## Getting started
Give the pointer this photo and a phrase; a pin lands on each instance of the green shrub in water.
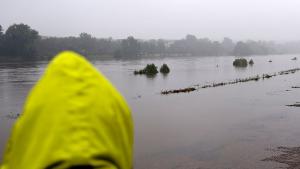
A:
(241, 62)
(150, 70)
(251, 62)
(164, 69)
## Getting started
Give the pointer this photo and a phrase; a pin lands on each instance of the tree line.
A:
(20, 41)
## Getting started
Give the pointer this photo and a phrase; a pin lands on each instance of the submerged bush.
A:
(251, 62)
(241, 62)
(150, 70)
(164, 69)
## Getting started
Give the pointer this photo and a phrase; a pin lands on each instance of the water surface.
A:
(216, 128)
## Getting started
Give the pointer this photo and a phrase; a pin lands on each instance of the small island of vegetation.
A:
(241, 62)
(149, 70)
(164, 69)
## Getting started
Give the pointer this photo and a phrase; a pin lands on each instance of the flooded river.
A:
(229, 127)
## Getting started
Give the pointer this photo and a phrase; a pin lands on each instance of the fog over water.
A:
(169, 19)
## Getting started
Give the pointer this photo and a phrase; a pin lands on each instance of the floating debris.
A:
(185, 90)
(241, 80)
(12, 115)
(137, 97)
(295, 58)
(270, 61)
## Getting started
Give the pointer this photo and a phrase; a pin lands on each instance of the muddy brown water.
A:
(217, 128)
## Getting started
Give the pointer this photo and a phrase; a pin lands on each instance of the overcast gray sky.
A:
(169, 19)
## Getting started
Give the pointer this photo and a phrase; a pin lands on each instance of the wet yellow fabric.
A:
(73, 116)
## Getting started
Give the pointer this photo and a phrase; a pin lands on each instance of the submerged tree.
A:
(241, 62)
(149, 70)
(164, 69)
(251, 62)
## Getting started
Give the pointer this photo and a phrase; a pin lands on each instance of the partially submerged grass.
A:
(185, 90)
(297, 104)
(267, 76)
(285, 72)
(240, 80)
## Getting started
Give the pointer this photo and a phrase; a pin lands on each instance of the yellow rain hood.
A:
(73, 116)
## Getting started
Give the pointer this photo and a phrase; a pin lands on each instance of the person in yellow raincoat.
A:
(72, 118)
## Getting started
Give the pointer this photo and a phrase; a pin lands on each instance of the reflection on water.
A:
(226, 127)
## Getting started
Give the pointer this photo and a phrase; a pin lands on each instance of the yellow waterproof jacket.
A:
(73, 116)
